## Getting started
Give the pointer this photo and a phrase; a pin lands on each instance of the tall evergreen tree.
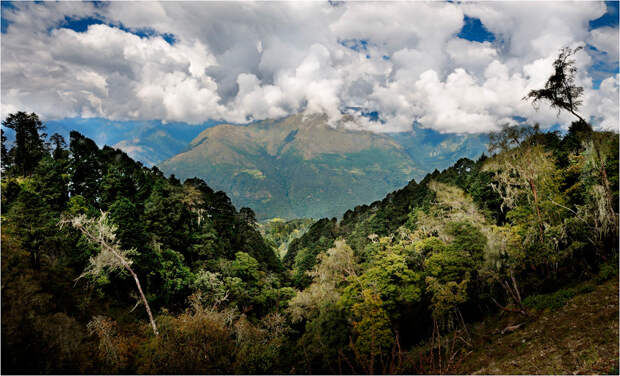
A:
(86, 167)
(5, 153)
(59, 146)
(29, 143)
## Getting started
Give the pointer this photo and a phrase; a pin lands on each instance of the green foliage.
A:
(429, 246)
(606, 272)
(450, 268)
(446, 296)
(29, 142)
(176, 277)
(34, 224)
(389, 276)
(324, 339)
(281, 233)
(440, 249)
(552, 301)
(467, 238)
(245, 267)
(373, 333)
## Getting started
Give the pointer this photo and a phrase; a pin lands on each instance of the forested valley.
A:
(111, 267)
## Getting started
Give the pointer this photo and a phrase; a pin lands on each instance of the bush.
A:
(585, 288)
(195, 342)
(607, 272)
(553, 301)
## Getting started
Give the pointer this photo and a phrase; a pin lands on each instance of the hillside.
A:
(302, 167)
(295, 167)
(436, 151)
(385, 217)
(579, 338)
(368, 293)
(149, 142)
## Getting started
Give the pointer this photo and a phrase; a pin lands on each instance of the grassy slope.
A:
(580, 338)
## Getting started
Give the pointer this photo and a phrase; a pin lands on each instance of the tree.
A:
(111, 257)
(521, 164)
(33, 224)
(86, 167)
(560, 90)
(562, 93)
(59, 145)
(5, 154)
(598, 150)
(334, 269)
(388, 274)
(374, 337)
(29, 145)
(50, 181)
(510, 137)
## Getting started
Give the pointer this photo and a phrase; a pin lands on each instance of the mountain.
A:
(436, 151)
(149, 142)
(300, 166)
(258, 164)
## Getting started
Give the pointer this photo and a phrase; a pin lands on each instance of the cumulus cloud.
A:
(240, 62)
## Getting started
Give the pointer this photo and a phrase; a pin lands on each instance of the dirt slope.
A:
(579, 338)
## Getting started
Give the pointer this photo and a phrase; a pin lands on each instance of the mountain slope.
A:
(580, 338)
(437, 151)
(295, 167)
(149, 142)
(300, 166)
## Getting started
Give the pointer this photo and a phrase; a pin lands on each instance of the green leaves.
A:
(245, 267)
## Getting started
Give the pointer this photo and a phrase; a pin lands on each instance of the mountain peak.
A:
(301, 166)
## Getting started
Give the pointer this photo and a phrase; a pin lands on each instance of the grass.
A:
(556, 300)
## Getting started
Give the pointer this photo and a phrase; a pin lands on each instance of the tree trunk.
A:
(128, 267)
(608, 195)
(579, 117)
(135, 277)
(146, 304)
(535, 193)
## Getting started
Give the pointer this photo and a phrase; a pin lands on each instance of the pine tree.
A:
(29, 143)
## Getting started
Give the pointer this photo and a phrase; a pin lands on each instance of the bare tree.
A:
(101, 231)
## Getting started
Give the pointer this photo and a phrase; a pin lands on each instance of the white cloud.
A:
(248, 61)
(605, 39)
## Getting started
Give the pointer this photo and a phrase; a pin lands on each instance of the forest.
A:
(111, 267)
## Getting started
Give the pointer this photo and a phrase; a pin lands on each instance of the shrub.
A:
(607, 272)
(553, 301)
(198, 341)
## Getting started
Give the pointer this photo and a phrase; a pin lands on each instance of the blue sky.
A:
(444, 66)
(610, 18)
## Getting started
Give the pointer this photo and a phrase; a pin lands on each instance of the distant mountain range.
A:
(293, 167)
(300, 166)
(149, 142)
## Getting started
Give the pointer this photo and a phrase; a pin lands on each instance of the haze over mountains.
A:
(300, 166)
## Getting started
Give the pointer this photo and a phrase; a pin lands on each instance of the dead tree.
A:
(111, 257)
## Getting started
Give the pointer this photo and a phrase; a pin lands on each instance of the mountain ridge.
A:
(301, 166)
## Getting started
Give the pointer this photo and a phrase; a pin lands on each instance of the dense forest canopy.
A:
(110, 267)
